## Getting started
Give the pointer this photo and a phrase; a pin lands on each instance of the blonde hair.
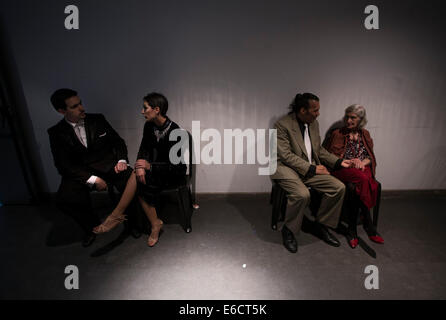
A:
(359, 111)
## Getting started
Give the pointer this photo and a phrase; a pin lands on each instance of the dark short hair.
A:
(59, 96)
(302, 101)
(157, 100)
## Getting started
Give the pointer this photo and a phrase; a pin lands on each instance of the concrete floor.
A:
(232, 253)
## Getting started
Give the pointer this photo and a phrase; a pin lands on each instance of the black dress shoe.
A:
(88, 239)
(323, 233)
(289, 241)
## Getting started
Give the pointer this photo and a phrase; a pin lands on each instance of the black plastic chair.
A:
(278, 200)
(184, 193)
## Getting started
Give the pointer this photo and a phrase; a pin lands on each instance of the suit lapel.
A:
(90, 130)
(314, 132)
(298, 134)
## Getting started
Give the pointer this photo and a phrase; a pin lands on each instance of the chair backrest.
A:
(189, 150)
(190, 166)
(191, 172)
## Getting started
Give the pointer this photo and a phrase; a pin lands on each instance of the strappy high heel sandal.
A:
(110, 223)
(154, 240)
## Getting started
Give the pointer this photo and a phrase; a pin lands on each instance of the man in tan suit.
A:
(301, 164)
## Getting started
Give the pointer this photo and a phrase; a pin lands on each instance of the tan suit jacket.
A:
(292, 158)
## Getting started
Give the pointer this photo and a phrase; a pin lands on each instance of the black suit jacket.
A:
(74, 161)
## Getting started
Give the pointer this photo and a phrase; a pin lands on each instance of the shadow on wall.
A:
(14, 110)
(337, 125)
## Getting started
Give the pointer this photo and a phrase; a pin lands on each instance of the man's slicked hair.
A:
(302, 101)
(59, 96)
(157, 100)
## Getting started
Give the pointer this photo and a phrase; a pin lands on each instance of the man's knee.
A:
(339, 187)
(299, 195)
(71, 193)
(71, 201)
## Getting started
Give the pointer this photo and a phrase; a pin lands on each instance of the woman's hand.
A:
(141, 175)
(356, 163)
(366, 162)
(142, 164)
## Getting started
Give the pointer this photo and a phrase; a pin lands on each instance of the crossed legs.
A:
(117, 216)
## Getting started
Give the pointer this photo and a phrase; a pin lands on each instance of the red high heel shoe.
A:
(352, 239)
(377, 238)
(353, 243)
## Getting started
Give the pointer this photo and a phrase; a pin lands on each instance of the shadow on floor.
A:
(64, 230)
(258, 214)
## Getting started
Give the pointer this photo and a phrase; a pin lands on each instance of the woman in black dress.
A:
(154, 170)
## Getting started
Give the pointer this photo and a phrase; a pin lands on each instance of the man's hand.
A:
(100, 184)
(141, 175)
(346, 163)
(320, 169)
(120, 166)
(142, 164)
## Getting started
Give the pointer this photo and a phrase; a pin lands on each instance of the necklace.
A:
(160, 133)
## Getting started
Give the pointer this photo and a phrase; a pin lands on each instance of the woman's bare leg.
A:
(156, 223)
(117, 216)
(127, 196)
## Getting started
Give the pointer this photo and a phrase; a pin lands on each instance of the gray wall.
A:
(238, 64)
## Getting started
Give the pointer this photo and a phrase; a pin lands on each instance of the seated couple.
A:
(90, 155)
(302, 162)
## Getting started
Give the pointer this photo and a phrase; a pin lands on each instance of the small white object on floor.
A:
(244, 265)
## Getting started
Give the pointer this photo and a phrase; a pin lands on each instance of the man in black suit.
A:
(89, 155)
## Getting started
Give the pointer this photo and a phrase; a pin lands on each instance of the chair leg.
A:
(271, 197)
(185, 208)
(279, 202)
(276, 208)
(181, 207)
(188, 209)
(283, 200)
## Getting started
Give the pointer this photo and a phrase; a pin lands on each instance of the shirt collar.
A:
(73, 124)
(301, 124)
